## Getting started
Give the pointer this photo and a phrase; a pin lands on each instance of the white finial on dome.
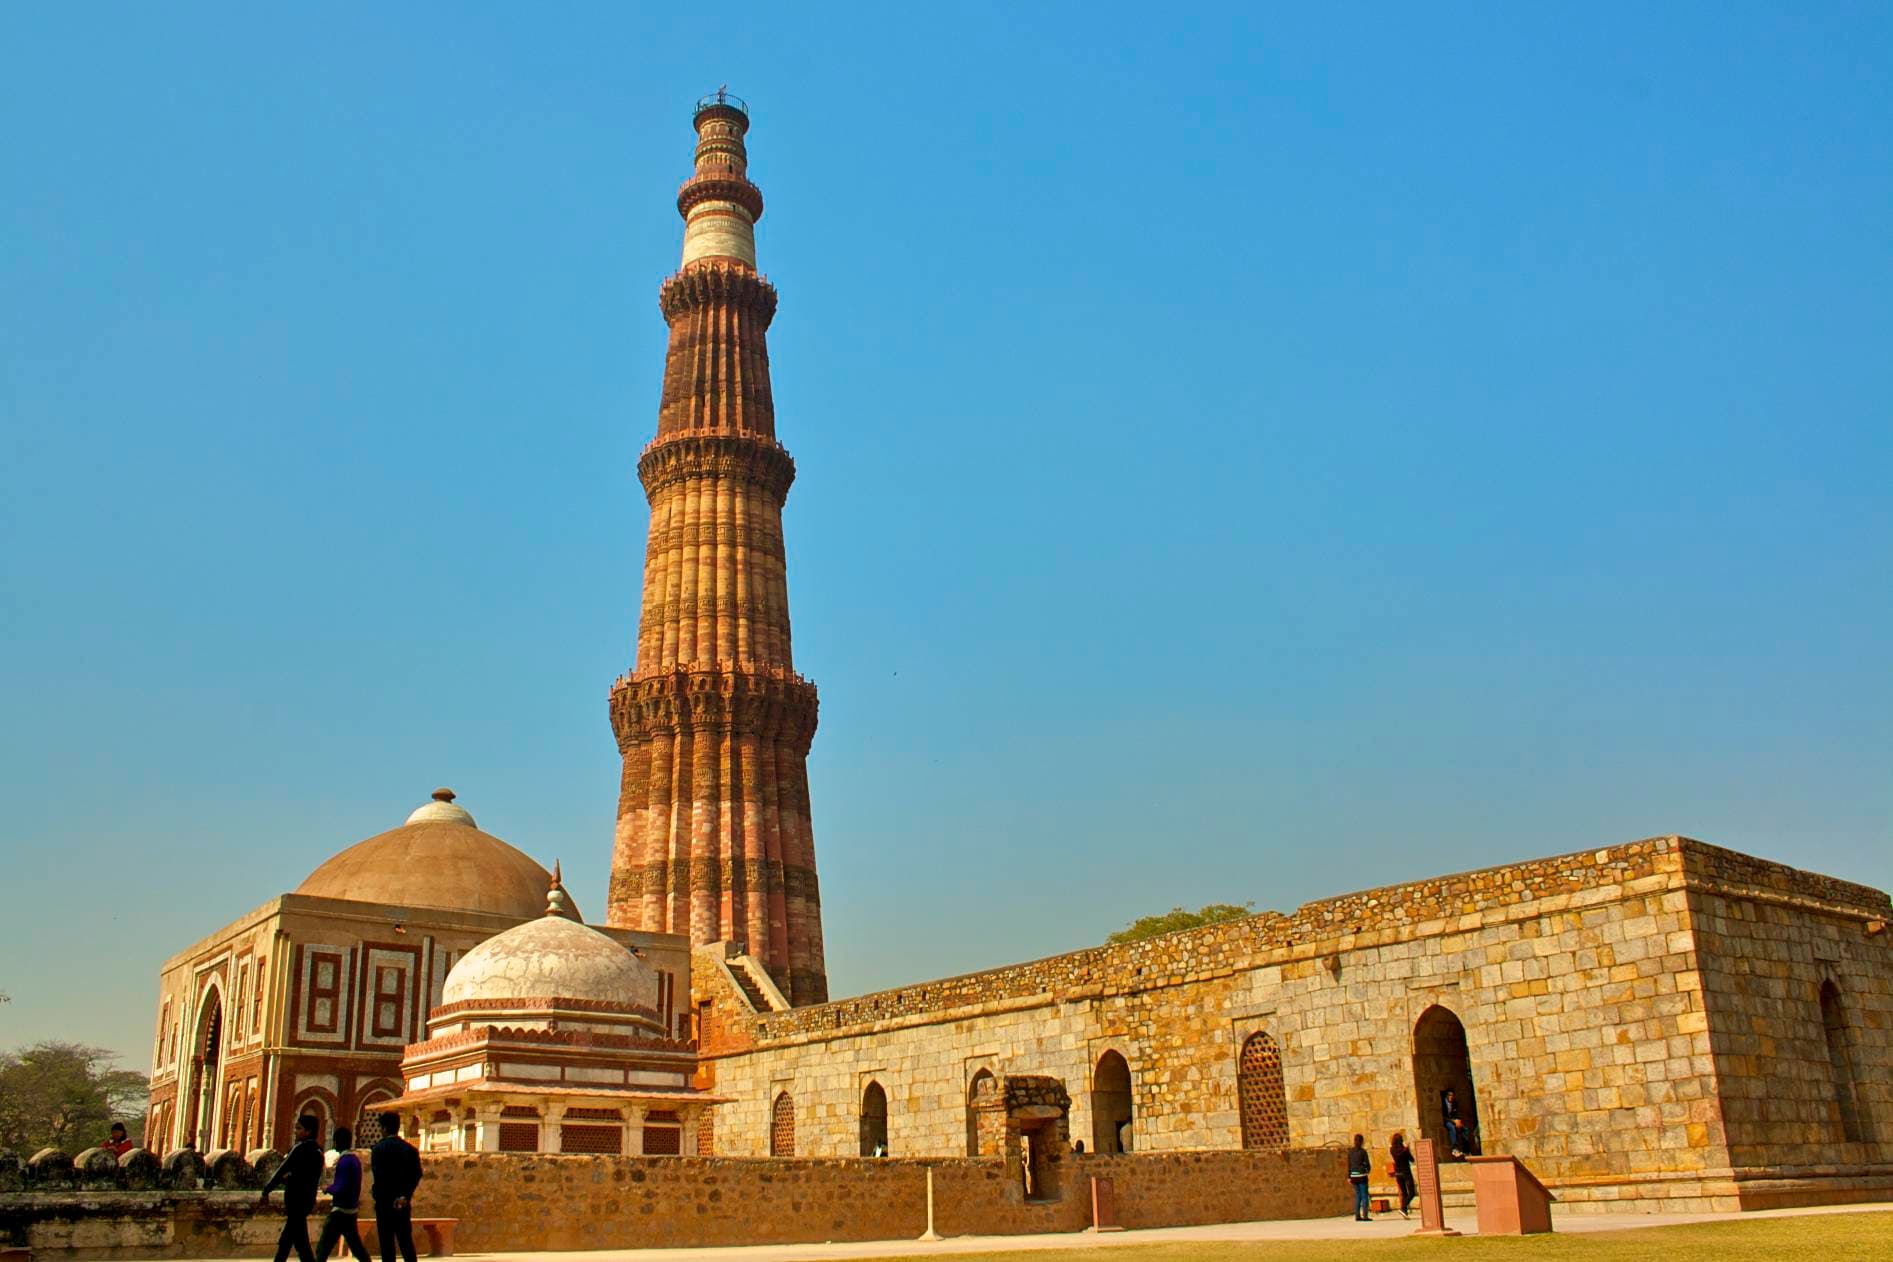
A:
(555, 896)
(442, 811)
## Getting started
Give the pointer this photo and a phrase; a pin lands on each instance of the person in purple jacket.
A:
(345, 1202)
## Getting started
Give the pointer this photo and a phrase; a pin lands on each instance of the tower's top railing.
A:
(722, 98)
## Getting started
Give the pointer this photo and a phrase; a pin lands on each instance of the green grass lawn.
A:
(1828, 1237)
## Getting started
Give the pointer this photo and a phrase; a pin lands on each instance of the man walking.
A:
(396, 1168)
(1359, 1166)
(345, 1202)
(298, 1175)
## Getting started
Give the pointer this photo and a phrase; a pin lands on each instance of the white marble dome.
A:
(553, 957)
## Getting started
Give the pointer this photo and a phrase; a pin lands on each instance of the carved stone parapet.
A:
(690, 454)
(776, 704)
(718, 187)
(718, 282)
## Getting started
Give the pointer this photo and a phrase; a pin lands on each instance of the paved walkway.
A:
(1384, 1227)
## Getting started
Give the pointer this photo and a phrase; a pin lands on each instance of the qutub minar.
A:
(714, 838)
(1657, 1024)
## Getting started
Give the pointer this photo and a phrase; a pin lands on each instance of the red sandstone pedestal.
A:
(1512, 1202)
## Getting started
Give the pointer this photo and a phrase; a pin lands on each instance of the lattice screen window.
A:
(706, 1135)
(368, 1120)
(782, 1127)
(1261, 1094)
(663, 1141)
(519, 1135)
(591, 1138)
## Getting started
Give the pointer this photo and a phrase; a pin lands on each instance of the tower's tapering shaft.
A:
(713, 835)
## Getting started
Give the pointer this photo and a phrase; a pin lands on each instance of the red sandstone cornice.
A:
(550, 1005)
(547, 1038)
(769, 701)
(711, 670)
(721, 281)
(754, 458)
(716, 187)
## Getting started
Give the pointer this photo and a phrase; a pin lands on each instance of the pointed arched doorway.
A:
(874, 1121)
(1111, 1104)
(1442, 1064)
(206, 1073)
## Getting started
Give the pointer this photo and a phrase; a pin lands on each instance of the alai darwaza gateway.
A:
(306, 1003)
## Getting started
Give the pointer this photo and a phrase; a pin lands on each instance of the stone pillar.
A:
(690, 1118)
(549, 1140)
(487, 1122)
(634, 1132)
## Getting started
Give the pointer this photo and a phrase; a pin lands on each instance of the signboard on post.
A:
(1103, 1205)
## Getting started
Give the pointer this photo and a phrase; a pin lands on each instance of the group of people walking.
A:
(396, 1168)
(1360, 1167)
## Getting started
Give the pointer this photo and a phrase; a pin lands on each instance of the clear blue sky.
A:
(1252, 453)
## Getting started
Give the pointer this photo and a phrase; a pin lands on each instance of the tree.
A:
(1177, 918)
(66, 1096)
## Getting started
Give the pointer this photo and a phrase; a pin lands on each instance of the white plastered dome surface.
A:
(551, 958)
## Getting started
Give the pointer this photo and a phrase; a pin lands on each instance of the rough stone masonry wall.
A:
(1576, 979)
(1768, 937)
(517, 1203)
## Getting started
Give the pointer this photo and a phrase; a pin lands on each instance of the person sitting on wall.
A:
(1455, 1127)
(119, 1144)
(396, 1168)
(1359, 1166)
(298, 1175)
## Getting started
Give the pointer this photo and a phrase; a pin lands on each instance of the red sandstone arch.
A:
(205, 1069)
(1111, 1103)
(371, 1102)
(1261, 1093)
(318, 1104)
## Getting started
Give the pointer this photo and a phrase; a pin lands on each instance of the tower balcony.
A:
(721, 99)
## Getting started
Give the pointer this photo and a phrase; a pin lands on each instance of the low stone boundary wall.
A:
(518, 1202)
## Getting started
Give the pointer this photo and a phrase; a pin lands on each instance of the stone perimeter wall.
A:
(1578, 979)
(518, 1203)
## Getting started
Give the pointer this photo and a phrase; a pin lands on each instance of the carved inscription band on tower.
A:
(713, 835)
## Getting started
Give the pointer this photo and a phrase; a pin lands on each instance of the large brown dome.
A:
(439, 858)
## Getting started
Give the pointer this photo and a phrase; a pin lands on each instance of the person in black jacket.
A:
(298, 1176)
(396, 1168)
(1401, 1167)
(1359, 1166)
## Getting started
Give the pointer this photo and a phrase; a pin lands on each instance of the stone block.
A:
(50, 1168)
(98, 1169)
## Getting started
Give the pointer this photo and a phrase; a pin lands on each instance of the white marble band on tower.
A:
(719, 230)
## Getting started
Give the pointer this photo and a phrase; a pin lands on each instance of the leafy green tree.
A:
(66, 1096)
(1177, 918)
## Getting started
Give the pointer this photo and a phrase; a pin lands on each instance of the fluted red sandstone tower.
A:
(713, 835)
